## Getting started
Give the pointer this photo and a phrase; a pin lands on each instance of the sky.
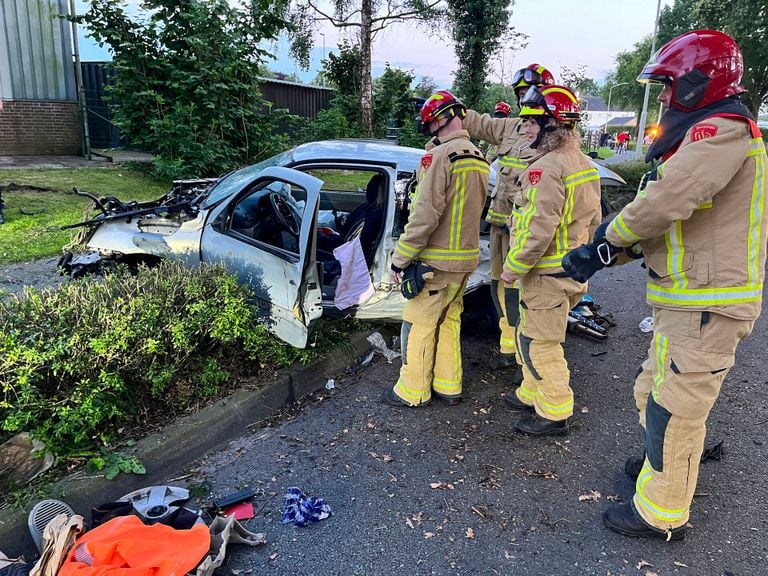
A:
(562, 33)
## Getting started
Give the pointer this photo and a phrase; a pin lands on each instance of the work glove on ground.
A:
(581, 263)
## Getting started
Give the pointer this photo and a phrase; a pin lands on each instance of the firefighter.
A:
(700, 220)
(501, 110)
(559, 210)
(443, 233)
(513, 156)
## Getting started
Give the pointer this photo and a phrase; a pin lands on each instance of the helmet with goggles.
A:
(553, 101)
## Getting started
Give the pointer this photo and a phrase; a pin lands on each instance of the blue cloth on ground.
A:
(300, 510)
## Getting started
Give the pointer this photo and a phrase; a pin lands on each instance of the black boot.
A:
(449, 400)
(633, 466)
(392, 399)
(624, 520)
(535, 425)
(514, 402)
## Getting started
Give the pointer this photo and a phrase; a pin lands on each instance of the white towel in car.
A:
(354, 286)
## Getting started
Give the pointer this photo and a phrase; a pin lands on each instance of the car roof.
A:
(359, 150)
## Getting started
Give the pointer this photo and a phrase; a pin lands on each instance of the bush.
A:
(632, 172)
(764, 132)
(409, 136)
(81, 362)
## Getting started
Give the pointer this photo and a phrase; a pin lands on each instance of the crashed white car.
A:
(275, 224)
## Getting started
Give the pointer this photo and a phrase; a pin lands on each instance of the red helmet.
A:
(702, 67)
(502, 109)
(555, 101)
(442, 104)
(532, 75)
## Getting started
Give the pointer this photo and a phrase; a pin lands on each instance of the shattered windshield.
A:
(236, 180)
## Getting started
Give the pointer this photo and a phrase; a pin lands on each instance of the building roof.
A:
(623, 121)
(596, 104)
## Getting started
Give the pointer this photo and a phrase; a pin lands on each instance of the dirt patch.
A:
(38, 274)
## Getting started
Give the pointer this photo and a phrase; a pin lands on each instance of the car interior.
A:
(353, 203)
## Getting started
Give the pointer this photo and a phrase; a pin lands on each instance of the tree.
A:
(744, 20)
(577, 80)
(366, 18)
(392, 99)
(425, 87)
(186, 86)
(478, 28)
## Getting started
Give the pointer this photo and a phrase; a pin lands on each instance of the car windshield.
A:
(236, 180)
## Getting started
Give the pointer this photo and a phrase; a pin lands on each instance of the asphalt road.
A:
(504, 504)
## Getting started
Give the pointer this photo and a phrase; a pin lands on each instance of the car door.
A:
(277, 265)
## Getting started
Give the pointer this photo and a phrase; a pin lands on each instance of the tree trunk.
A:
(366, 87)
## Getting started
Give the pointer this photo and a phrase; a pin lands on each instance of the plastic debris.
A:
(300, 509)
(647, 324)
(368, 358)
(331, 384)
(379, 345)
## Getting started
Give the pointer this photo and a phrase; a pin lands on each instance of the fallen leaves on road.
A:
(429, 535)
(481, 511)
(409, 523)
(644, 564)
(548, 474)
(384, 457)
(470, 534)
(593, 496)
(676, 563)
(584, 409)
(613, 498)
(442, 486)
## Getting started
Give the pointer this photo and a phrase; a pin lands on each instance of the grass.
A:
(28, 237)
(605, 152)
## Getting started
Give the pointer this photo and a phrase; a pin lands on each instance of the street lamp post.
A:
(323, 60)
(644, 113)
(608, 111)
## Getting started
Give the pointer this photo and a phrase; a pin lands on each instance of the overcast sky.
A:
(562, 33)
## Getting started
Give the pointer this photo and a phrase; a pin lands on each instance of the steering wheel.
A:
(284, 214)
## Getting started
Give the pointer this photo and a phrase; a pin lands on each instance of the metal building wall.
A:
(299, 99)
(35, 51)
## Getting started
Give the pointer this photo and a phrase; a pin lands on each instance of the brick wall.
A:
(29, 128)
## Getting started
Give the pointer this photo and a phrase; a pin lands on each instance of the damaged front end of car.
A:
(135, 233)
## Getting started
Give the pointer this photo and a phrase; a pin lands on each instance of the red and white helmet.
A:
(442, 104)
(502, 110)
(558, 102)
(532, 75)
(701, 67)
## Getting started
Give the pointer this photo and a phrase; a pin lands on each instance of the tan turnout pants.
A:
(689, 357)
(430, 340)
(505, 297)
(544, 305)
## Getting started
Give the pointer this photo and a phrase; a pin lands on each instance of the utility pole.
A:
(608, 111)
(644, 113)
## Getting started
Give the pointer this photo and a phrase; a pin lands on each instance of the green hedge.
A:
(632, 172)
(80, 363)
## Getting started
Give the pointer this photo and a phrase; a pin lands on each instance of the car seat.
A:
(369, 215)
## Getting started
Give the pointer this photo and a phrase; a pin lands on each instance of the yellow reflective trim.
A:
(661, 348)
(663, 514)
(412, 394)
(756, 147)
(522, 230)
(440, 254)
(405, 249)
(704, 296)
(704, 205)
(457, 211)
(470, 165)
(554, 409)
(512, 162)
(516, 265)
(554, 261)
(528, 111)
(675, 252)
(584, 175)
(756, 209)
(561, 234)
(622, 230)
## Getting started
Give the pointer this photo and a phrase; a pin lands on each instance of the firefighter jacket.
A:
(702, 223)
(443, 227)
(560, 210)
(513, 154)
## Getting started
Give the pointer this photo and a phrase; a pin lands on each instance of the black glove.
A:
(414, 277)
(650, 176)
(581, 263)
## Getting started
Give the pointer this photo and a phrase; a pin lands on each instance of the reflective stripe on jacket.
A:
(702, 223)
(560, 210)
(443, 227)
(513, 155)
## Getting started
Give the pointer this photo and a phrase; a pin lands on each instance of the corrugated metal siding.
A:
(35, 51)
(299, 99)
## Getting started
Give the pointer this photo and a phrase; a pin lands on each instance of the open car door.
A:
(266, 234)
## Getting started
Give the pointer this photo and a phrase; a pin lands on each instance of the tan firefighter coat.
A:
(702, 224)
(513, 154)
(443, 227)
(560, 210)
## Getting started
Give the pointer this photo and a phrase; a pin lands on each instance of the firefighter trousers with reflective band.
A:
(544, 305)
(689, 357)
(505, 297)
(430, 340)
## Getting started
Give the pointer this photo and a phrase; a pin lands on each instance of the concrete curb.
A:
(169, 451)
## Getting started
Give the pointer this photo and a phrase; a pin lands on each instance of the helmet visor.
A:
(651, 78)
(528, 77)
(533, 98)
